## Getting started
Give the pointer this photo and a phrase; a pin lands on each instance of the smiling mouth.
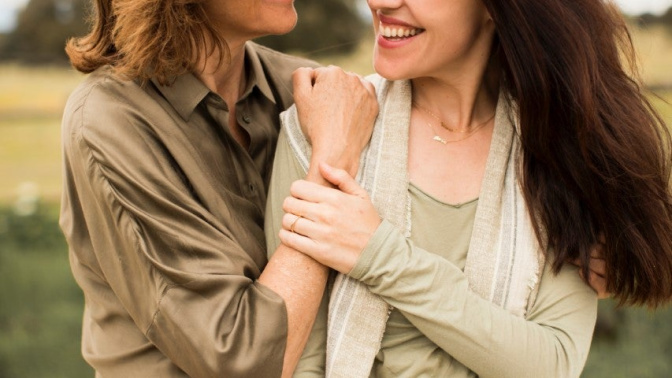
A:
(398, 32)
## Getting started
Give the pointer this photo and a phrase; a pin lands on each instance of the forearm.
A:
(296, 277)
(434, 296)
(300, 281)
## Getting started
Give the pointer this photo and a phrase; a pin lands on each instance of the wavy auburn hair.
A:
(596, 156)
(145, 39)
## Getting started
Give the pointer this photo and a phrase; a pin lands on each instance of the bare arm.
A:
(336, 110)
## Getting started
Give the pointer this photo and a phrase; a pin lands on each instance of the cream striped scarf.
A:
(503, 262)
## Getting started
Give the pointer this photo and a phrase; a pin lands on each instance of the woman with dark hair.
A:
(511, 140)
(168, 146)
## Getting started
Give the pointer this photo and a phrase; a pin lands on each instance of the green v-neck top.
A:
(439, 327)
(444, 229)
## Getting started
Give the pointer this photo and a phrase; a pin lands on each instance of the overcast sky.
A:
(9, 9)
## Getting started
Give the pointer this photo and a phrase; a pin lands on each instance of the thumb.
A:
(341, 179)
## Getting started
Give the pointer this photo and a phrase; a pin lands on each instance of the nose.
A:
(375, 5)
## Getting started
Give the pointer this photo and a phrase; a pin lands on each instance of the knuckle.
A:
(296, 185)
(286, 203)
(286, 220)
(301, 71)
(332, 198)
(325, 216)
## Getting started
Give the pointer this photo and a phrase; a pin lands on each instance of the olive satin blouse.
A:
(163, 212)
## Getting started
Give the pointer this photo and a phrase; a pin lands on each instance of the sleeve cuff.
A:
(372, 249)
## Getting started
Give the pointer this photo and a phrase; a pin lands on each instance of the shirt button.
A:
(247, 118)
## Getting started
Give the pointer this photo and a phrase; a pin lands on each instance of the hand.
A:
(335, 225)
(337, 111)
(597, 268)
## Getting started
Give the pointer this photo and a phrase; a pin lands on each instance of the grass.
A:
(40, 336)
(654, 48)
(640, 345)
(31, 105)
(41, 311)
(34, 92)
(30, 153)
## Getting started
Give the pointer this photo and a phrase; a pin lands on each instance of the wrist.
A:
(344, 159)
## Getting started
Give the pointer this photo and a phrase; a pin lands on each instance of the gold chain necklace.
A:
(444, 141)
(426, 111)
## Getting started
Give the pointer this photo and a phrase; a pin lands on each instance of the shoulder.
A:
(103, 95)
(280, 62)
(278, 68)
(564, 293)
(105, 109)
(101, 85)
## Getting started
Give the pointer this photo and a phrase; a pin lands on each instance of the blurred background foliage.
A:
(40, 304)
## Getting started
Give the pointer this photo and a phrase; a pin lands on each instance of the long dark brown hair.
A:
(145, 39)
(596, 155)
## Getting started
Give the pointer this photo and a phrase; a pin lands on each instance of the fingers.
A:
(297, 224)
(302, 80)
(598, 266)
(597, 270)
(298, 242)
(368, 85)
(596, 252)
(297, 207)
(312, 192)
(334, 76)
(314, 249)
(598, 283)
(342, 180)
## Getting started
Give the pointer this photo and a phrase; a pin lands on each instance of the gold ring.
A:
(291, 228)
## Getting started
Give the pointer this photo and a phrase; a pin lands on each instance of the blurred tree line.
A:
(649, 19)
(324, 27)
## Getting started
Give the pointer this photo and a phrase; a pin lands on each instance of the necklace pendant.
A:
(440, 140)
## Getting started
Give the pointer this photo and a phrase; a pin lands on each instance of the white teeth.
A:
(400, 32)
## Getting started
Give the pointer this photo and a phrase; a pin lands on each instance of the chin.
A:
(389, 70)
(286, 24)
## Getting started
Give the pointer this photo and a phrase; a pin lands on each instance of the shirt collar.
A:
(184, 94)
(187, 91)
(256, 75)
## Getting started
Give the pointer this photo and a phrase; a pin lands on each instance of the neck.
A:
(225, 77)
(461, 99)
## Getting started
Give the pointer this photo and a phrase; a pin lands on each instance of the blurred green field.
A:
(31, 105)
(32, 100)
(40, 305)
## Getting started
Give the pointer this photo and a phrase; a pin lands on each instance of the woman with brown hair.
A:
(511, 140)
(168, 146)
